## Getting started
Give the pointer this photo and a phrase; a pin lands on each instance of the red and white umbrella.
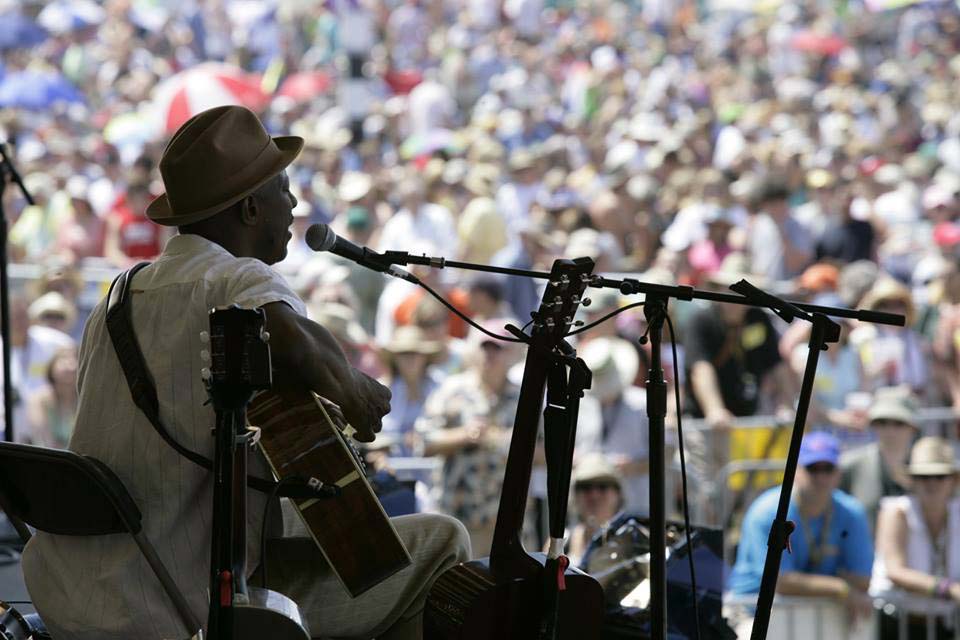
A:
(202, 87)
(304, 85)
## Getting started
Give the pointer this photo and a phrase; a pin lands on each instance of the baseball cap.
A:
(819, 446)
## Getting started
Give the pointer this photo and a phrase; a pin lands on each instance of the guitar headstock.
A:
(564, 293)
(238, 360)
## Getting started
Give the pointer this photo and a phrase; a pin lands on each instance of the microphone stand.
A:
(7, 170)
(655, 309)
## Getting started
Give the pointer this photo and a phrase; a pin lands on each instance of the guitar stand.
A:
(564, 390)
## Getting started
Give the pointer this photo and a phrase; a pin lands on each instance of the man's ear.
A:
(249, 211)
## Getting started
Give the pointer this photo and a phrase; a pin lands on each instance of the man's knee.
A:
(454, 533)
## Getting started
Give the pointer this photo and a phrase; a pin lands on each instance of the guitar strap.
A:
(144, 392)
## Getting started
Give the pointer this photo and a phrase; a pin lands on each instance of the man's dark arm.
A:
(307, 356)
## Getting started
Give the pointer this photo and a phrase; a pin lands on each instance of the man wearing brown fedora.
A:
(228, 194)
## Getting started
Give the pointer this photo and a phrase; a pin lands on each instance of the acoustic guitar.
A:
(503, 596)
(300, 438)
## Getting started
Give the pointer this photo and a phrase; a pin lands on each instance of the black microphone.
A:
(320, 237)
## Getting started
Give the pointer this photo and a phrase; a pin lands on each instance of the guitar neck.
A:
(507, 555)
(551, 322)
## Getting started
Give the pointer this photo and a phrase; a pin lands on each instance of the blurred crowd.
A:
(810, 147)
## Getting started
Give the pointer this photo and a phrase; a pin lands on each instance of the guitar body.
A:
(467, 602)
(299, 439)
(268, 614)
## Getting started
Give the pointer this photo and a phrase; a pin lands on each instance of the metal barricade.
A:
(712, 497)
(800, 618)
(904, 606)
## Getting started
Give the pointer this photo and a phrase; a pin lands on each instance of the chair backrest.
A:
(64, 493)
(68, 494)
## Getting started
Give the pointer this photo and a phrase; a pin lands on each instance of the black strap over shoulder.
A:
(144, 392)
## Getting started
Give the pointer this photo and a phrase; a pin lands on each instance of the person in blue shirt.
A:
(831, 552)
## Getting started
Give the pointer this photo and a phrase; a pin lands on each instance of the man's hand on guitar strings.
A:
(367, 406)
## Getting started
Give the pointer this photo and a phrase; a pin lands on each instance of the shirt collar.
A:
(184, 243)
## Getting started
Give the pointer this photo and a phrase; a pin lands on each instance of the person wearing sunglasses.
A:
(918, 542)
(831, 550)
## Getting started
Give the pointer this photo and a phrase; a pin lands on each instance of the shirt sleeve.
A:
(255, 284)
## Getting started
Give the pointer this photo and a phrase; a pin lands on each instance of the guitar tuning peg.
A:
(578, 323)
(205, 356)
(586, 302)
(265, 336)
(205, 374)
(205, 337)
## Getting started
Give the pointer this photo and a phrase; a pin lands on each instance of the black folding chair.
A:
(67, 494)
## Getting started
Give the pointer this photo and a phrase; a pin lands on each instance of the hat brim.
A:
(931, 469)
(598, 478)
(892, 413)
(160, 212)
(392, 350)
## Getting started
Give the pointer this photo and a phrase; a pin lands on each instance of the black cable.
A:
(466, 318)
(605, 318)
(683, 475)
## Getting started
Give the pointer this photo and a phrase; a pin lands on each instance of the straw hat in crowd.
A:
(932, 456)
(894, 404)
(52, 306)
(595, 468)
(340, 320)
(614, 363)
(410, 339)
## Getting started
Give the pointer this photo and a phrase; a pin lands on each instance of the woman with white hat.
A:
(407, 358)
(918, 537)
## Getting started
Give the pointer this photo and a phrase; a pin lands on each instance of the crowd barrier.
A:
(750, 456)
(802, 618)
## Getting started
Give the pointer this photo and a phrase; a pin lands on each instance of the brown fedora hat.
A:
(217, 158)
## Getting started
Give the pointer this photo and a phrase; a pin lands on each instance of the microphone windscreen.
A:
(320, 237)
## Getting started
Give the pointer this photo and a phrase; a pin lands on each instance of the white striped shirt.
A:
(101, 588)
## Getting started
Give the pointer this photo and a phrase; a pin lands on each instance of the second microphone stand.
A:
(655, 310)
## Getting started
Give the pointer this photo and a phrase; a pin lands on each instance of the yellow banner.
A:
(758, 443)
